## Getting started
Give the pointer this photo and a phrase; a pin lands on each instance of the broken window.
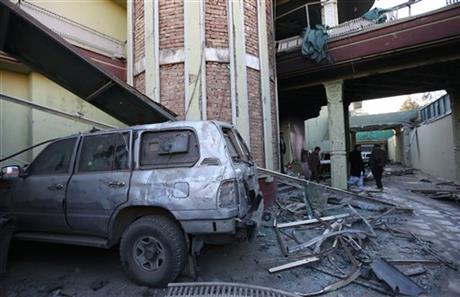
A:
(169, 148)
(232, 145)
(105, 152)
(55, 158)
(244, 146)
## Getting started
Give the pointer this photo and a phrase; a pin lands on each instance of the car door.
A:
(100, 182)
(39, 196)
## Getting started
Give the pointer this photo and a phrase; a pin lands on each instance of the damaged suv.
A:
(159, 191)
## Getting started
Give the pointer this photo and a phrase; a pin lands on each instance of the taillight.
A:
(228, 194)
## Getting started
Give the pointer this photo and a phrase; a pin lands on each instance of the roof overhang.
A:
(36, 46)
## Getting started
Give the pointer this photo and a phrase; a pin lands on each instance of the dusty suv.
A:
(159, 191)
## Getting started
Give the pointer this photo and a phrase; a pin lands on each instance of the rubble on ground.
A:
(350, 240)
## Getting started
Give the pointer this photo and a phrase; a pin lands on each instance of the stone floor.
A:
(435, 220)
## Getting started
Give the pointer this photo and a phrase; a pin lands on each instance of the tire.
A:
(153, 251)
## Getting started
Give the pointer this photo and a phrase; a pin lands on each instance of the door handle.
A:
(55, 187)
(117, 184)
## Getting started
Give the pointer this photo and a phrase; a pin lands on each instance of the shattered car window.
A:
(106, 152)
(169, 148)
(55, 158)
(232, 145)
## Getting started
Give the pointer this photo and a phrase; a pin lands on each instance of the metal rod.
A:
(295, 9)
(54, 111)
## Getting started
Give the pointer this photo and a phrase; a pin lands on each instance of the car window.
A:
(105, 152)
(54, 159)
(245, 148)
(232, 145)
(169, 148)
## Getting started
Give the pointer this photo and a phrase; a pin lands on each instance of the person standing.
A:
(356, 167)
(376, 163)
(314, 164)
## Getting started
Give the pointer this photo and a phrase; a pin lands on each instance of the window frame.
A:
(139, 138)
(234, 139)
(80, 147)
(29, 169)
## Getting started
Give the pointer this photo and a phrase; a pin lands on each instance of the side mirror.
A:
(10, 172)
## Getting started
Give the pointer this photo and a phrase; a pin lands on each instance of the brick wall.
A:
(216, 23)
(255, 116)
(250, 27)
(171, 29)
(171, 23)
(138, 30)
(218, 93)
(172, 88)
(139, 82)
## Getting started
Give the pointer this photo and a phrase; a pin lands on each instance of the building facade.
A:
(204, 60)
(209, 60)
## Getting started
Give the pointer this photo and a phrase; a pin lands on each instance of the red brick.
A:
(216, 23)
(171, 24)
(172, 88)
(250, 27)
(218, 94)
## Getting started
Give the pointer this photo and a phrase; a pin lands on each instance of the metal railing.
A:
(352, 26)
(76, 33)
(305, 7)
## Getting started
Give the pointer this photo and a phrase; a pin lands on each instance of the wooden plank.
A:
(293, 264)
(312, 221)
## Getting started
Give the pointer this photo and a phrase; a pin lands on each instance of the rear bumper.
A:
(230, 225)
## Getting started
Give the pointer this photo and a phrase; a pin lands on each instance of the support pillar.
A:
(337, 133)
(352, 139)
(329, 13)
(152, 50)
(455, 103)
(265, 83)
(239, 83)
(195, 62)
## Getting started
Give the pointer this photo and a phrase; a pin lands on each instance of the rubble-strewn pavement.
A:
(40, 269)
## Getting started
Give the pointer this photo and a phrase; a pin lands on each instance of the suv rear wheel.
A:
(153, 251)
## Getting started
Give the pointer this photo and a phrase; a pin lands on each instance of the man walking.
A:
(314, 164)
(356, 168)
(376, 163)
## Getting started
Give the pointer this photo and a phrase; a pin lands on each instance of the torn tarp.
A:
(314, 44)
(376, 15)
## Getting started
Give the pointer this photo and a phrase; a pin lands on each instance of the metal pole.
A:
(54, 111)
(308, 15)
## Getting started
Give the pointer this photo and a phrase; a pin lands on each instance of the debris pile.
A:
(449, 194)
(344, 239)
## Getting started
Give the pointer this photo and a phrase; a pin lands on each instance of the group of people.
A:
(357, 170)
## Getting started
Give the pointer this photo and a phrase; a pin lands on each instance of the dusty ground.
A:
(39, 269)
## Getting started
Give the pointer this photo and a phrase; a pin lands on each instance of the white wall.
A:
(395, 147)
(432, 148)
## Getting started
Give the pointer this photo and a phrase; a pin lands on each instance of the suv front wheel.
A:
(153, 251)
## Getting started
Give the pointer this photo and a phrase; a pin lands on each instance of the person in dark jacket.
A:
(356, 167)
(376, 163)
(314, 164)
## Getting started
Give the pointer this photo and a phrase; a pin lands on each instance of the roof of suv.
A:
(166, 125)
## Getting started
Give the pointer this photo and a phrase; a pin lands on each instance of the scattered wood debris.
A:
(349, 237)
